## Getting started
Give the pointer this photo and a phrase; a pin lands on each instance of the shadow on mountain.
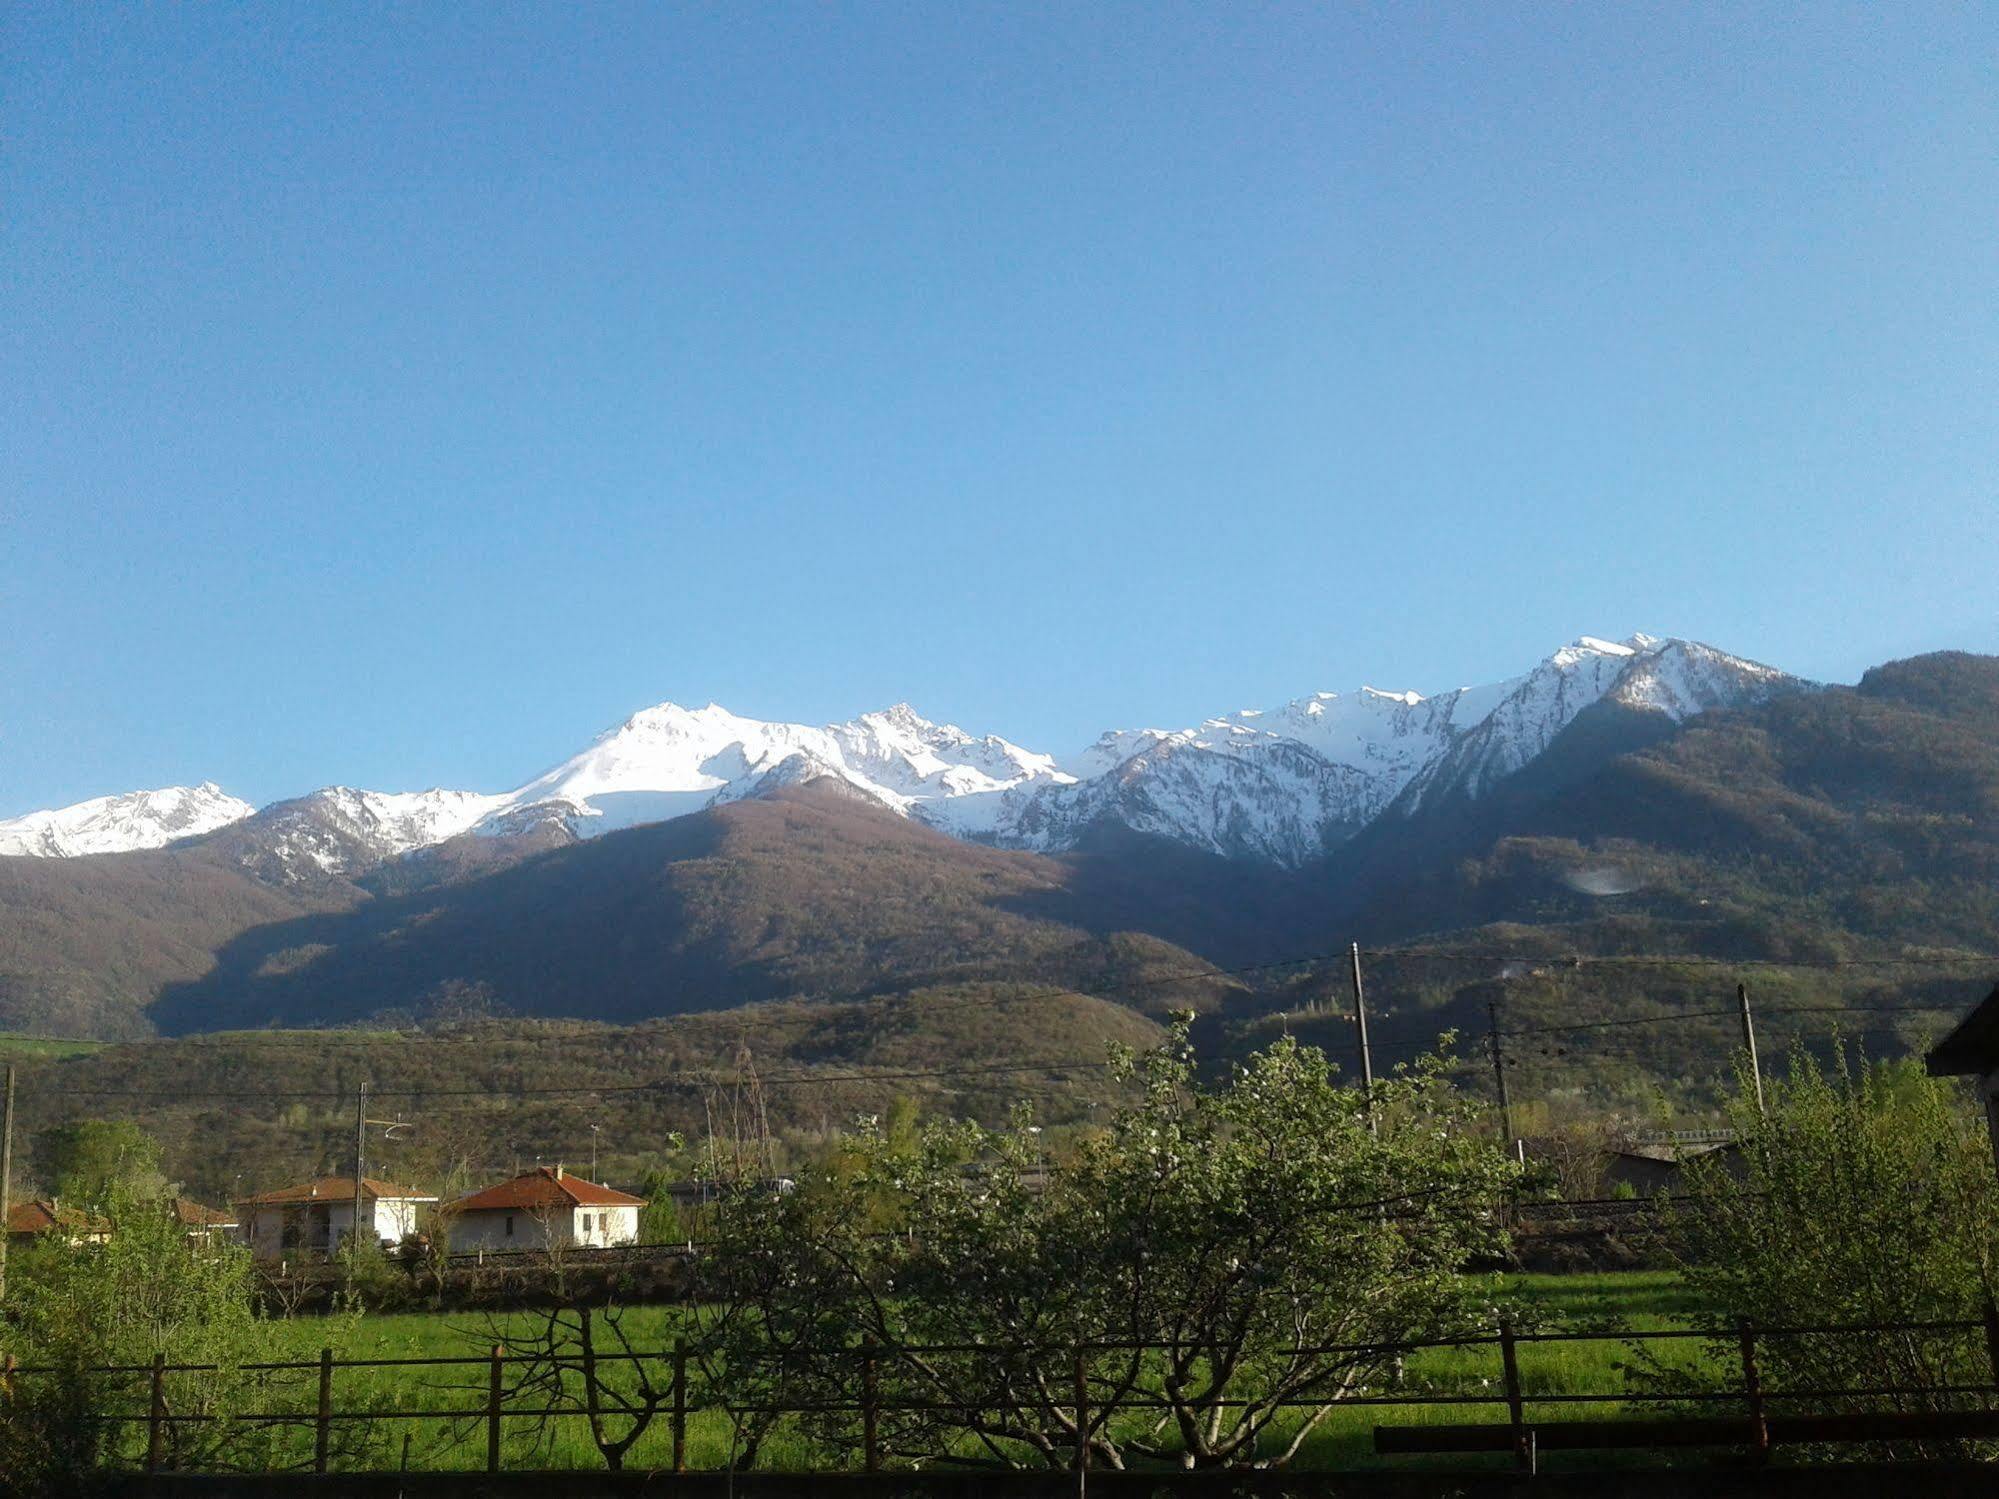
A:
(800, 893)
(1231, 912)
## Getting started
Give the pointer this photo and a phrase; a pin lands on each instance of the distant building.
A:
(1651, 1167)
(1972, 1050)
(202, 1225)
(43, 1217)
(696, 1193)
(315, 1216)
(546, 1208)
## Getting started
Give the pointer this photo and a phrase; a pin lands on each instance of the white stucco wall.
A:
(583, 1227)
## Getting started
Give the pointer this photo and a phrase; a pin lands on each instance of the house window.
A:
(510, 1225)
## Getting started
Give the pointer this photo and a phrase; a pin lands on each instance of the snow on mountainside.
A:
(670, 760)
(340, 831)
(1285, 785)
(116, 824)
(1290, 784)
(1678, 678)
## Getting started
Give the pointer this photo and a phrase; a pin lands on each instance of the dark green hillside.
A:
(243, 1111)
(800, 894)
(1654, 1039)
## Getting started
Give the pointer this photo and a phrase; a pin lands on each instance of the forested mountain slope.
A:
(1818, 825)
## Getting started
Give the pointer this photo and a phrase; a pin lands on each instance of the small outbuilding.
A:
(1972, 1050)
(315, 1217)
(1651, 1167)
(43, 1217)
(546, 1208)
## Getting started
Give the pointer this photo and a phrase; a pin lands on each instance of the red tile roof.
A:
(37, 1216)
(335, 1189)
(547, 1187)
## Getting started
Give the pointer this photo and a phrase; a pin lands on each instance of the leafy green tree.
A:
(1237, 1251)
(1862, 1194)
(659, 1219)
(83, 1312)
(91, 1160)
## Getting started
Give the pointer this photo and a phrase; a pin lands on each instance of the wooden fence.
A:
(1763, 1416)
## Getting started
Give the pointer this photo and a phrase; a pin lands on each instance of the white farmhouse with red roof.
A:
(546, 1208)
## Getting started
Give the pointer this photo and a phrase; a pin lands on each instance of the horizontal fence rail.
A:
(1765, 1416)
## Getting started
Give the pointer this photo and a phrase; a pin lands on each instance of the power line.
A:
(1593, 1025)
(663, 1084)
(1669, 960)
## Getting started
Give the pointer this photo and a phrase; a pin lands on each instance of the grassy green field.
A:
(1635, 1302)
(44, 1048)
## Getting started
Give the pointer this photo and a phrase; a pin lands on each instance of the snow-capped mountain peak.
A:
(117, 824)
(1291, 782)
(1286, 783)
(668, 760)
(1645, 672)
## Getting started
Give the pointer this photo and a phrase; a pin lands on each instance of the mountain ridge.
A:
(1285, 785)
(1819, 826)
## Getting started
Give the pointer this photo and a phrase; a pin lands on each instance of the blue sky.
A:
(399, 397)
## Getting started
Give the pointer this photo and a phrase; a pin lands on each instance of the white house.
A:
(545, 1208)
(315, 1216)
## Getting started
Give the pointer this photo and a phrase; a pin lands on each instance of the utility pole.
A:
(1360, 1033)
(1499, 1072)
(6, 1176)
(1749, 1042)
(360, 1170)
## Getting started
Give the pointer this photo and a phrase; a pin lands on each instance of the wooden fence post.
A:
(323, 1429)
(156, 1417)
(871, 1452)
(680, 1405)
(1516, 1401)
(494, 1396)
(1752, 1388)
